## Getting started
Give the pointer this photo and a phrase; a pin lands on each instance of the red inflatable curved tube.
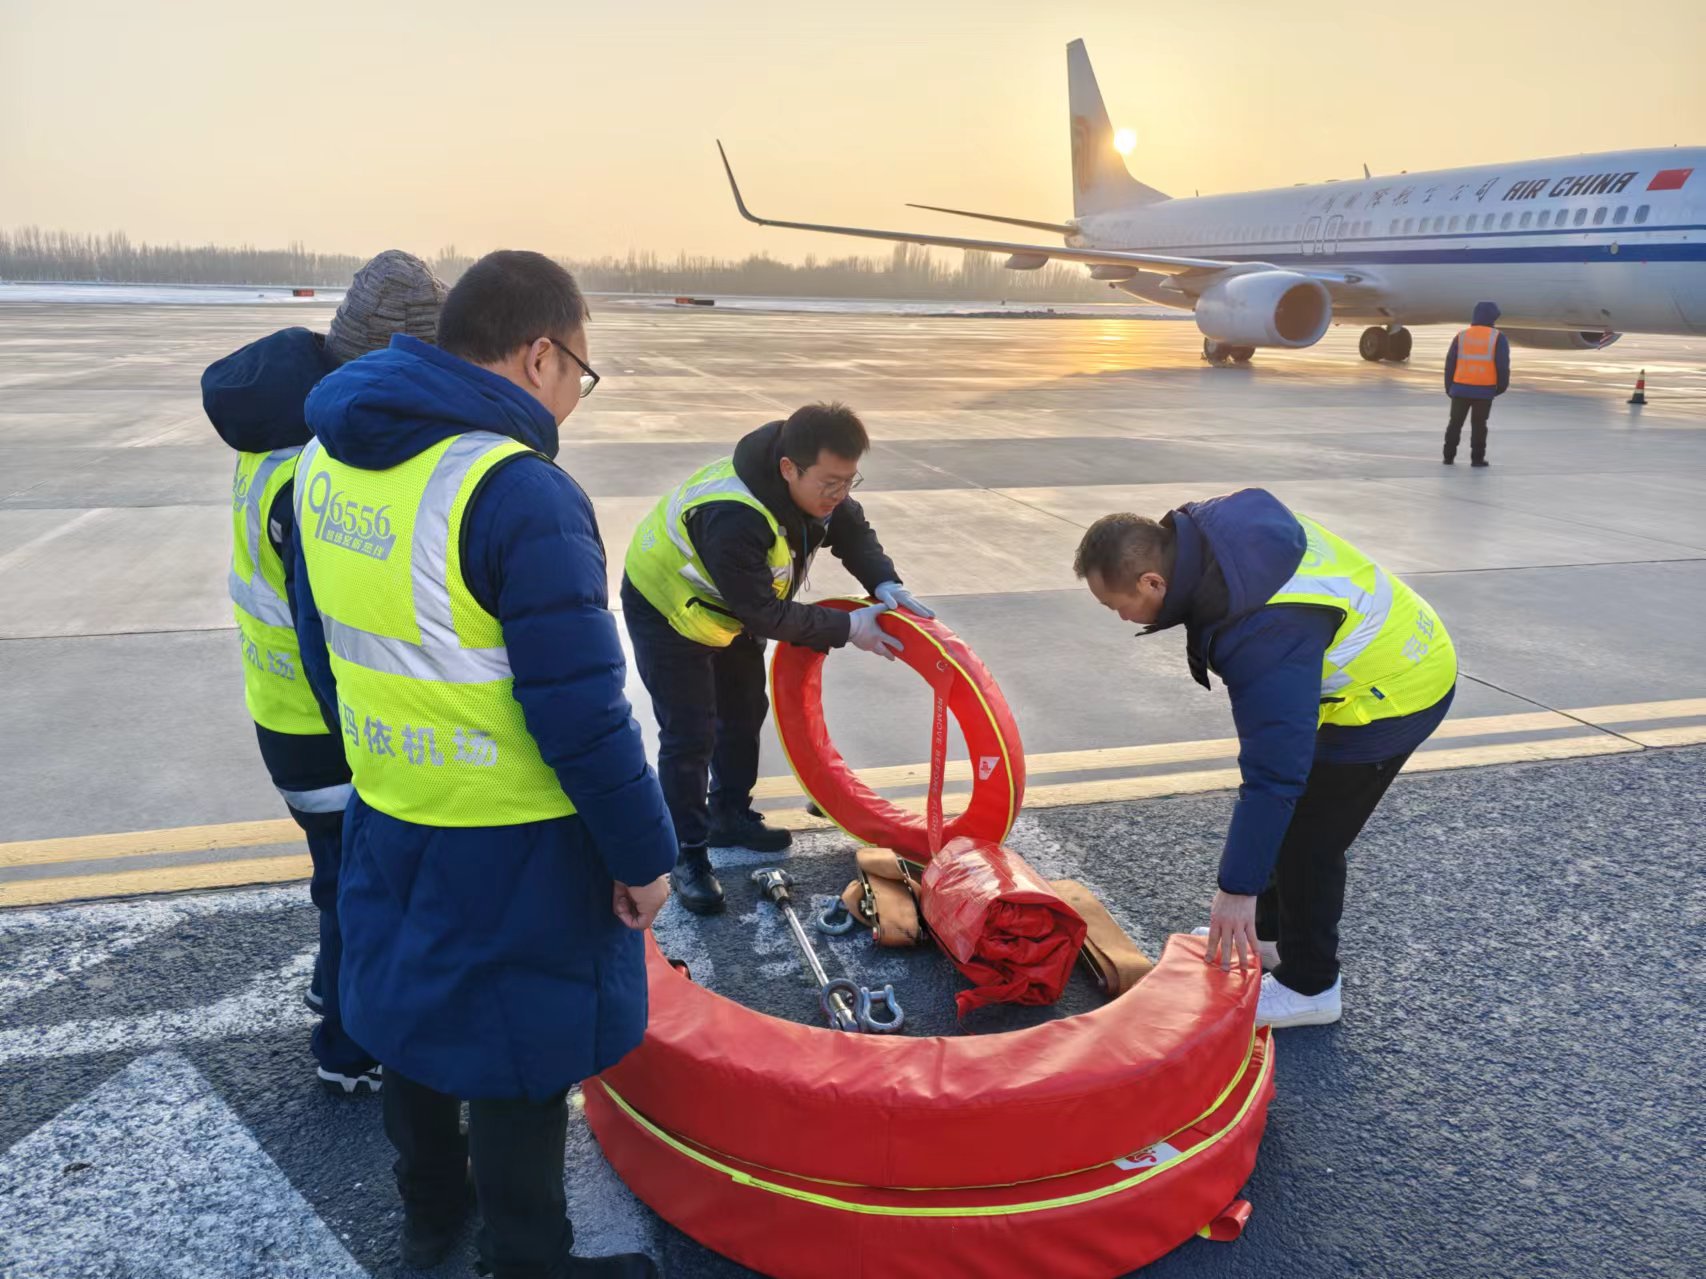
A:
(1092, 1223)
(943, 1112)
(992, 738)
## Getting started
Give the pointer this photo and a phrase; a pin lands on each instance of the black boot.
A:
(695, 883)
(747, 830)
(429, 1233)
(622, 1265)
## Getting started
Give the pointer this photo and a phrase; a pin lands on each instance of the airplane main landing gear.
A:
(1221, 352)
(1384, 344)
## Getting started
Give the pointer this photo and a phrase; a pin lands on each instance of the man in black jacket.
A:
(711, 575)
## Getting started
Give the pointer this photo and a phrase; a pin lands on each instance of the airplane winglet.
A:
(735, 187)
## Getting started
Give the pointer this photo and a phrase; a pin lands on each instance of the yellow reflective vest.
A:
(666, 569)
(274, 685)
(431, 727)
(1391, 655)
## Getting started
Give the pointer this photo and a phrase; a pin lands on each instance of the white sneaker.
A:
(1269, 950)
(1280, 1006)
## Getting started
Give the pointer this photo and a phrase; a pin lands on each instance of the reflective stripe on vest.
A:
(1476, 348)
(275, 689)
(1391, 655)
(432, 730)
(665, 568)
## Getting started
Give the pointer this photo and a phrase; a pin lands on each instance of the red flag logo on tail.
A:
(1669, 179)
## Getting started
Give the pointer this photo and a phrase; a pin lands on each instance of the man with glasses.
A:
(507, 844)
(711, 574)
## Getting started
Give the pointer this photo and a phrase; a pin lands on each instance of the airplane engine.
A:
(1561, 339)
(1265, 308)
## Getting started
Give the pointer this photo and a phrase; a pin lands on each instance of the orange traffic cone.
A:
(1640, 396)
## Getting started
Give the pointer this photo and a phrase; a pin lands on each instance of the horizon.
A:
(213, 126)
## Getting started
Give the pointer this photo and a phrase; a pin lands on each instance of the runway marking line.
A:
(1588, 732)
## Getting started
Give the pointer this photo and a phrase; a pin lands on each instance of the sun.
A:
(1124, 141)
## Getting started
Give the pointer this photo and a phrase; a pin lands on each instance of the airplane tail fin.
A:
(1100, 180)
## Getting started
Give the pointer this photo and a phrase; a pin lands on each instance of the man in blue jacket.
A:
(254, 397)
(507, 845)
(1337, 671)
(1477, 371)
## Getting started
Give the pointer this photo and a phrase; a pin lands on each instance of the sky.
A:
(584, 127)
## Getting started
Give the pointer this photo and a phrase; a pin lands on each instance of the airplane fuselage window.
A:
(1621, 216)
(1641, 213)
(1527, 218)
(1505, 221)
(1581, 216)
(1599, 215)
(1452, 225)
(1545, 217)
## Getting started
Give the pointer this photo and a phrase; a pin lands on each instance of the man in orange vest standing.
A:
(1477, 369)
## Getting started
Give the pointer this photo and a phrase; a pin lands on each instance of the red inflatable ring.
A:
(1079, 1148)
(971, 695)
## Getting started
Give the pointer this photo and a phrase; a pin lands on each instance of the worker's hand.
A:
(897, 596)
(637, 907)
(1232, 929)
(863, 631)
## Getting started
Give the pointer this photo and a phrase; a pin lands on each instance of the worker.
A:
(1336, 670)
(254, 398)
(507, 844)
(711, 574)
(1477, 371)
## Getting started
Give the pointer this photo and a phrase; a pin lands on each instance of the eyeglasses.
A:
(589, 379)
(840, 488)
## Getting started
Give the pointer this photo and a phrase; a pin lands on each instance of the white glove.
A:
(863, 631)
(897, 596)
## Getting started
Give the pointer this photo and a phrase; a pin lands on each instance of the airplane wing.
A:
(1034, 255)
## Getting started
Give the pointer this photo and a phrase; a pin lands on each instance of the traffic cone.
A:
(1640, 396)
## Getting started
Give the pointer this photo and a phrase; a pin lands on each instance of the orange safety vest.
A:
(1476, 346)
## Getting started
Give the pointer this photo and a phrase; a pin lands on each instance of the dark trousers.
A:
(1462, 406)
(710, 705)
(301, 765)
(1306, 895)
(517, 1151)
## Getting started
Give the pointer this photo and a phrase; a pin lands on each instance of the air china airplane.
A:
(1576, 251)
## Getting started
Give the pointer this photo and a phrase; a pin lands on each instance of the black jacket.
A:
(734, 541)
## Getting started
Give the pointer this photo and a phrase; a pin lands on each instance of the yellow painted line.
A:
(1105, 758)
(1684, 708)
(1680, 735)
(225, 874)
(160, 879)
(137, 843)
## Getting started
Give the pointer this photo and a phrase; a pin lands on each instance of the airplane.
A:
(1576, 251)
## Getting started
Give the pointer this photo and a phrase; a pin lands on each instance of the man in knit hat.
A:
(255, 397)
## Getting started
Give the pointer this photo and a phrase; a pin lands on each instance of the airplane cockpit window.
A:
(1581, 216)
(1641, 213)
(1621, 216)
(1599, 215)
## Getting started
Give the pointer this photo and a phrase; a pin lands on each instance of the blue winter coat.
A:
(1485, 313)
(255, 399)
(487, 961)
(1232, 554)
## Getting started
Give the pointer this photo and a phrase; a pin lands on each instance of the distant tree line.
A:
(909, 271)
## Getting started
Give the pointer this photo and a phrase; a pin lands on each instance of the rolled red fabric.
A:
(1001, 923)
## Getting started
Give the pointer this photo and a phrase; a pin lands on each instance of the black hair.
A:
(817, 427)
(506, 300)
(1122, 548)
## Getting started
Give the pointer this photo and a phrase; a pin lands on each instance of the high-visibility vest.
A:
(1391, 655)
(274, 686)
(426, 700)
(1476, 347)
(665, 567)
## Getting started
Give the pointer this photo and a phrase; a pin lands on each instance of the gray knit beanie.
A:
(394, 293)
